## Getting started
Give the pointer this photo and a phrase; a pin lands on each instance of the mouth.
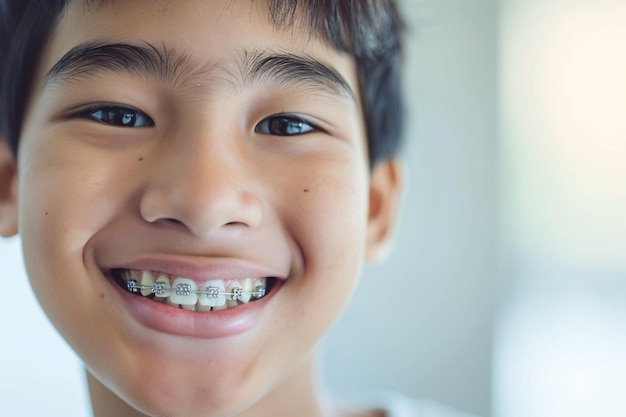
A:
(187, 294)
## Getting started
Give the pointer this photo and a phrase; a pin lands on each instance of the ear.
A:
(384, 200)
(8, 191)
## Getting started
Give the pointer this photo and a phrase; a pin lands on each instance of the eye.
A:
(118, 116)
(284, 125)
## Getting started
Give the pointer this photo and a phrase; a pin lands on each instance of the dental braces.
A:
(159, 289)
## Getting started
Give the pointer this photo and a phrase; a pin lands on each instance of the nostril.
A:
(167, 221)
(236, 224)
(175, 222)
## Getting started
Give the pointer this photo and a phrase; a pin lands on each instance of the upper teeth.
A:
(184, 292)
(213, 294)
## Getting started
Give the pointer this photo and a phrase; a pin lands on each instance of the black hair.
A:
(369, 30)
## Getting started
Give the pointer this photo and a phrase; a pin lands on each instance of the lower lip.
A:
(217, 324)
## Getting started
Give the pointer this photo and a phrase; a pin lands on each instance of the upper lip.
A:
(200, 268)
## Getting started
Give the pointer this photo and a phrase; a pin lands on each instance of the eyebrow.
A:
(170, 65)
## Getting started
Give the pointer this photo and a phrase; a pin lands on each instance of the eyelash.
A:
(116, 115)
(283, 124)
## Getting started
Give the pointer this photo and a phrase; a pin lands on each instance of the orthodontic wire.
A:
(159, 289)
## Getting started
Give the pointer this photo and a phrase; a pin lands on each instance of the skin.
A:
(201, 183)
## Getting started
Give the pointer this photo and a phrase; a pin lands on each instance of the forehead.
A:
(222, 34)
(223, 21)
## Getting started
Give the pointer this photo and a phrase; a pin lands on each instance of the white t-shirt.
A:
(398, 405)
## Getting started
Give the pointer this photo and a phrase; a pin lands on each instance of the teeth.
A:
(131, 281)
(259, 288)
(184, 293)
(222, 307)
(162, 288)
(215, 296)
(248, 287)
(200, 307)
(234, 288)
(129, 275)
(169, 302)
(146, 280)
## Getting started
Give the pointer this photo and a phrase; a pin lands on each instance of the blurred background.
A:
(505, 294)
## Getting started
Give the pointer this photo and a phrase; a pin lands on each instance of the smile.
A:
(187, 294)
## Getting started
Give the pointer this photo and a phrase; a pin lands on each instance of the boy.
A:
(196, 185)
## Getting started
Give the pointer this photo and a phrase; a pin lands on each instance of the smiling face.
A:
(193, 144)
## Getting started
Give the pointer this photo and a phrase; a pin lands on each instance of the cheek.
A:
(68, 193)
(60, 206)
(337, 226)
(336, 213)
(63, 203)
(329, 227)
(49, 195)
(53, 253)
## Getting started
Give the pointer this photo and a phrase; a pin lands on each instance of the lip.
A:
(203, 325)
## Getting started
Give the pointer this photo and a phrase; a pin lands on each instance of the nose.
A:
(203, 189)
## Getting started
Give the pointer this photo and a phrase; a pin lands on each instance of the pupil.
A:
(286, 126)
(126, 119)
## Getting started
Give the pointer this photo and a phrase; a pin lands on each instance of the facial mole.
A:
(140, 159)
(306, 190)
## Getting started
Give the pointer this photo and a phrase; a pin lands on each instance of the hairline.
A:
(280, 19)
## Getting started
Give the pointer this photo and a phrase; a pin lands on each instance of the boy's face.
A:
(233, 153)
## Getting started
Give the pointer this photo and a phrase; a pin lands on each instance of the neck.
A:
(106, 404)
(299, 395)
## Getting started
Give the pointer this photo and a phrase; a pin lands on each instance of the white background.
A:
(421, 322)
